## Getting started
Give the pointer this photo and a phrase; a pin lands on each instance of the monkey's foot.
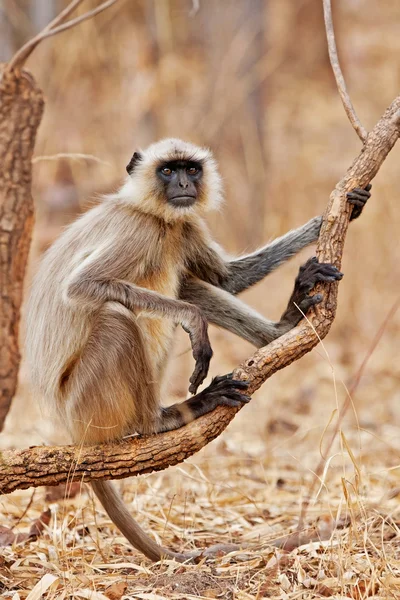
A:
(222, 391)
(358, 198)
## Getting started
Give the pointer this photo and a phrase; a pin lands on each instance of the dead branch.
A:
(56, 26)
(53, 465)
(337, 71)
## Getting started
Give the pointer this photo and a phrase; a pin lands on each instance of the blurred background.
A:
(252, 80)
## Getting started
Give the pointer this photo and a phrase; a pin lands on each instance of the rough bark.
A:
(51, 466)
(21, 108)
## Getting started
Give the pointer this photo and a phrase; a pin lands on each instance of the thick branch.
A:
(337, 71)
(51, 466)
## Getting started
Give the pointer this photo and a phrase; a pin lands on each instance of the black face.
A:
(181, 180)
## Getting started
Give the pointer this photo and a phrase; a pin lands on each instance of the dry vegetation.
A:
(252, 80)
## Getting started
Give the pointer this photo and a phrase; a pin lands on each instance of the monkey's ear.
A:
(137, 157)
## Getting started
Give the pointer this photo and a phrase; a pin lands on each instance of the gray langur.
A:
(110, 291)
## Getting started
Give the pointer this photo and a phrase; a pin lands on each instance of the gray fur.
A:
(224, 310)
(248, 270)
(217, 281)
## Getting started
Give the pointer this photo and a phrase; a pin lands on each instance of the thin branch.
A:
(23, 53)
(71, 156)
(60, 18)
(80, 19)
(134, 456)
(341, 85)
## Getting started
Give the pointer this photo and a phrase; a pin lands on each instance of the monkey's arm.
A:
(226, 311)
(248, 270)
(223, 309)
(236, 275)
(87, 288)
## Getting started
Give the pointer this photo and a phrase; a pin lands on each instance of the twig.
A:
(27, 507)
(343, 410)
(70, 155)
(53, 28)
(60, 18)
(341, 85)
(23, 53)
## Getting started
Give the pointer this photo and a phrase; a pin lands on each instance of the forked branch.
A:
(54, 27)
(53, 465)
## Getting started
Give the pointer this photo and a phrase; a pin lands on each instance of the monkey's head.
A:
(173, 179)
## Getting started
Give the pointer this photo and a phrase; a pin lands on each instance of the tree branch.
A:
(53, 465)
(54, 27)
(341, 85)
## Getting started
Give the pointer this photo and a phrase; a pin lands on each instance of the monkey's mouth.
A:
(182, 201)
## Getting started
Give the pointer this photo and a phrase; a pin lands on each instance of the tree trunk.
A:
(21, 108)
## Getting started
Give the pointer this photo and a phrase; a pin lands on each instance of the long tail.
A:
(121, 517)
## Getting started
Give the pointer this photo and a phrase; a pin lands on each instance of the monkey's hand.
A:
(358, 198)
(309, 274)
(197, 327)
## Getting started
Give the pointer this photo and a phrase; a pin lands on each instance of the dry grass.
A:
(252, 80)
(255, 502)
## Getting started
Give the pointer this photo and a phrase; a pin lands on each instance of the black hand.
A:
(358, 198)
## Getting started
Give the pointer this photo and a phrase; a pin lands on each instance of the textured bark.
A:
(51, 466)
(21, 108)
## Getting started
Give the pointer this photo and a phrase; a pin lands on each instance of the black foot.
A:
(311, 273)
(358, 198)
(223, 391)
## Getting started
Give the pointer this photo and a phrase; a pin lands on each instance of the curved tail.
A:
(121, 517)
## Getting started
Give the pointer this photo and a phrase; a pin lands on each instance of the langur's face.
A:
(181, 180)
(173, 180)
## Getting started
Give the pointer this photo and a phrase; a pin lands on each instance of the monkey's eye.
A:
(166, 171)
(192, 170)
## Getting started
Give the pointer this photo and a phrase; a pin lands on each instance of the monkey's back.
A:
(135, 249)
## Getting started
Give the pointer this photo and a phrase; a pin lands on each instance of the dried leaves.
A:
(8, 537)
(80, 554)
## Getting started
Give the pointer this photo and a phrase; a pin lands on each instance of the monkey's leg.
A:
(227, 311)
(224, 310)
(222, 391)
(109, 387)
(108, 392)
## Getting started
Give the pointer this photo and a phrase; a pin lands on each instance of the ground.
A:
(241, 490)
